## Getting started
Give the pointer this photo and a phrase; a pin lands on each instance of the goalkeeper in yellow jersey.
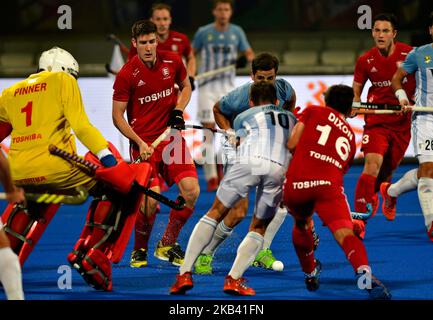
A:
(42, 110)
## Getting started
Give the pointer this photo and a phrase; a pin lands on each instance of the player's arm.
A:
(397, 85)
(298, 129)
(191, 64)
(184, 94)
(291, 103)
(119, 108)
(357, 91)
(220, 118)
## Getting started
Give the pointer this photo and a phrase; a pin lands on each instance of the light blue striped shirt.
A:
(420, 61)
(266, 130)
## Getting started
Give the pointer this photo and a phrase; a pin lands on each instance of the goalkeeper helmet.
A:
(57, 59)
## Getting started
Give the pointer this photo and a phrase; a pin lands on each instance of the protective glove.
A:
(176, 120)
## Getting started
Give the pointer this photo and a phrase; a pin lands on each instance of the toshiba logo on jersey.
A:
(156, 96)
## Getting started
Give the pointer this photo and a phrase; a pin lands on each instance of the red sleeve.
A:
(132, 52)
(304, 115)
(121, 86)
(180, 70)
(360, 74)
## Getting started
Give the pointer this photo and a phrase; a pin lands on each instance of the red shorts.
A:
(329, 202)
(390, 144)
(170, 161)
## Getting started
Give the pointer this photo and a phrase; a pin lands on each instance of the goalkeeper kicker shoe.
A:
(203, 265)
(172, 253)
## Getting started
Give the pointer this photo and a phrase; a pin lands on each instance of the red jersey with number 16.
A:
(149, 92)
(325, 150)
(380, 70)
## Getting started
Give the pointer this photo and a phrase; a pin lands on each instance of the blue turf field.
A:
(400, 254)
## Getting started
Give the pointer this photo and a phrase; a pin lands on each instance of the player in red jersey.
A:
(325, 148)
(385, 137)
(144, 88)
(170, 40)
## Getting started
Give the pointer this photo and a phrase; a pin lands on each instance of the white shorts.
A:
(267, 176)
(422, 136)
(207, 96)
(1, 224)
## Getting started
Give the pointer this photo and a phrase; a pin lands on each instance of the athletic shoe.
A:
(183, 283)
(378, 290)
(264, 259)
(312, 279)
(172, 253)
(237, 287)
(203, 265)
(138, 258)
(212, 185)
(359, 228)
(389, 203)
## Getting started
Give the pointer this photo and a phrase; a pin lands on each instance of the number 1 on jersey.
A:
(324, 134)
(28, 111)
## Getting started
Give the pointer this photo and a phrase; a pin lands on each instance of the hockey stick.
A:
(177, 205)
(193, 126)
(116, 40)
(155, 143)
(380, 106)
(377, 111)
(54, 198)
(215, 72)
(362, 215)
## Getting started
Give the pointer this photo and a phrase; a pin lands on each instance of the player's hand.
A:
(16, 195)
(297, 112)
(176, 120)
(146, 151)
(191, 80)
(241, 62)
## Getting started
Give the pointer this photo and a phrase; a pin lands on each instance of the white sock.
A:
(425, 195)
(10, 274)
(273, 227)
(209, 166)
(200, 237)
(408, 182)
(221, 233)
(247, 252)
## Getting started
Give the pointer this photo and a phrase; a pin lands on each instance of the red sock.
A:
(304, 247)
(176, 221)
(143, 229)
(364, 192)
(355, 252)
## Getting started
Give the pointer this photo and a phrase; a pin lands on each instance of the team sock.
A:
(176, 221)
(304, 246)
(355, 252)
(425, 195)
(274, 226)
(221, 233)
(408, 182)
(10, 274)
(364, 192)
(247, 251)
(200, 237)
(143, 229)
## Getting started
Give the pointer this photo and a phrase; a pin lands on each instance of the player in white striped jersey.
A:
(219, 45)
(262, 162)
(420, 62)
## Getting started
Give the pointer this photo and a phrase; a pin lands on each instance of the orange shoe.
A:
(237, 287)
(183, 283)
(359, 228)
(375, 204)
(389, 203)
(212, 184)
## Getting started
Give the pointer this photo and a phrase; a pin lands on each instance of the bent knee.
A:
(191, 194)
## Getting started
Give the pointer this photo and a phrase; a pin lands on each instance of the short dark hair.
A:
(387, 17)
(340, 98)
(160, 6)
(143, 27)
(262, 93)
(217, 2)
(265, 61)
